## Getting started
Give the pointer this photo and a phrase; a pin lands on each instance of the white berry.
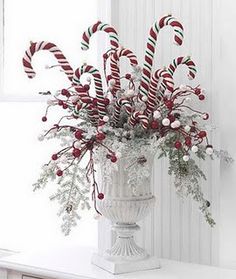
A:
(194, 149)
(185, 158)
(77, 144)
(165, 122)
(105, 118)
(209, 150)
(175, 124)
(156, 114)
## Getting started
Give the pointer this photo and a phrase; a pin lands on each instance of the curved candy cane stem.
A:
(100, 26)
(54, 50)
(98, 86)
(152, 94)
(119, 103)
(150, 48)
(183, 60)
(138, 116)
(115, 70)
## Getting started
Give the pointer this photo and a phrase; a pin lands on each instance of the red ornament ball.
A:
(202, 134)
(86, 87)
(79, 134)
(178, 144)
(76, 152)
(54, 157)
(201, 97)
(100, 136)
(44, 119)
(154, 124)
(188, 141)
(113, 158)
(100, 196)
(59, 173)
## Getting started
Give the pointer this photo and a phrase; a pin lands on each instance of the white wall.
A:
(175, 229)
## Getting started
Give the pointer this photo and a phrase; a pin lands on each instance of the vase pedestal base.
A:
(119, 266)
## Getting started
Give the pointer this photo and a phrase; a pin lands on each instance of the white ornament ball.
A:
(156, 114)
(105, 118)
(175, 124)
(194, 149)
(209, 150)
(77, 144)
(187, 128)
(144, 98)
(112, 82)
(185, 158)
(165, 122)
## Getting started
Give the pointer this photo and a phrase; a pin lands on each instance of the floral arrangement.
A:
(141, 109)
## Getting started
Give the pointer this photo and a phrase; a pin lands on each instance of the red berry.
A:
(54, 157)
(59, 173)
(101, 196)
(201, 97)
(76, 152)
(106, 101)
(113, 158)
(169, 104)
(79, 134)
(188, 141)
(86, 87)
(64, 92)
(44, 119)
(68, 94)
(154, 124)
(105, 55)
(60, 103)
(100, 136)
(197, 91)
(109, 77)
(178, 144)
(128, 76)
(65, 106)
(202, 134)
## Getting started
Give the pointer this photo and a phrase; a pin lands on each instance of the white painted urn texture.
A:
(127, 199)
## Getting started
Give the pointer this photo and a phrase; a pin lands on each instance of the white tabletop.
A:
(74, 263)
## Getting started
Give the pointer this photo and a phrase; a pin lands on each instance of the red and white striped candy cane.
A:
(150, 48)
(139, 117)
(115, 69)
(27, 59)
(168, 83)
(98, 86)
(119, 103)
(100, 26)
(183, 60)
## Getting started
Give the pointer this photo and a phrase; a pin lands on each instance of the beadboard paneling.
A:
(176, 229)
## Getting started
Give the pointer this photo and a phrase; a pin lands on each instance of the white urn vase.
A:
(127, 199)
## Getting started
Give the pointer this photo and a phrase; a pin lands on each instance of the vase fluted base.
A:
(117, 266)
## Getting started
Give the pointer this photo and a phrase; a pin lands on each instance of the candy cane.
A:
(119, 103)
(54, 50)
(150, 48)
(115, 70)
(98, 86)
(183, 60)
(138, 116)
(100, 26)
(152, 94)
